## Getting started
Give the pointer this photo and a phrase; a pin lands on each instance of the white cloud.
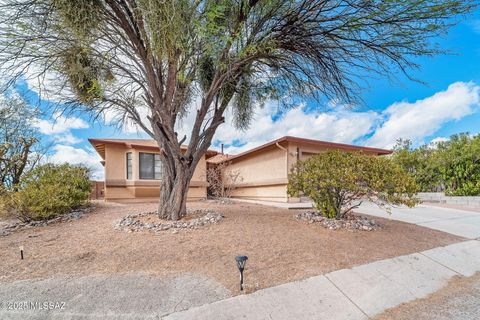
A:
(59, 128)
(341, 126)
(415, 121)
(59, 124)
(67, 138)
(410, 120)
(439, 139)
(68, 154)
(113, 117)
(422, 118)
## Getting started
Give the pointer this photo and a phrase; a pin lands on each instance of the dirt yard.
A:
(279, 248)
(459, 300)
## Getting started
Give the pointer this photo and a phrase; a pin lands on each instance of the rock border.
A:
(351, 222)
(73, 215)
(131, 223)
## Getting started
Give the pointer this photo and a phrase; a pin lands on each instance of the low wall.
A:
(440, 197)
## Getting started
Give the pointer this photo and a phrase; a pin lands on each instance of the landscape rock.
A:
(8, 228)
(132, 223)
(351, 222)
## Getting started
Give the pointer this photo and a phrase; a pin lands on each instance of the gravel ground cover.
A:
(280, 249)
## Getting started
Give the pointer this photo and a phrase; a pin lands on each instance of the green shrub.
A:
(48, 191)
(452, 166)
(460, 165)
(338, 182)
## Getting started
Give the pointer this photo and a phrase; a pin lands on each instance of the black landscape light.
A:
(21, 252)
(241, 260)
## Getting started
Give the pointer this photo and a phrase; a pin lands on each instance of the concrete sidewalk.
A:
(462, 223)
(357, 293)
(130, 296)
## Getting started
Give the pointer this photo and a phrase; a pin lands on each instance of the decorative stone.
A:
(132, 221)
(7, 229)
(350, 222)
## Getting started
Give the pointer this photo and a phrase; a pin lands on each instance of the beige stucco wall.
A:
(265, 172)
(118, 187)
(263, 175)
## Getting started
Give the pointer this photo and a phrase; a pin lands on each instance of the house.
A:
(132, 167)
(263, 171)
(133, 170)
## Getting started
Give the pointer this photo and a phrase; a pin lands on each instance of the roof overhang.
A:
(99, 145)
(326, 144)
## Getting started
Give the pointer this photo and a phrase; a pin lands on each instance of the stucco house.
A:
(132, 167)
(264, 170)
(132, 170)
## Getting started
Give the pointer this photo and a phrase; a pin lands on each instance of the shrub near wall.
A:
(48, 191)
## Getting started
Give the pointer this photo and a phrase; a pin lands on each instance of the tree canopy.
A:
(149, 61)
(452, 166)
(19, 142)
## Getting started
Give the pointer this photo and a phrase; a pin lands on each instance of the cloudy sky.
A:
(448, 103)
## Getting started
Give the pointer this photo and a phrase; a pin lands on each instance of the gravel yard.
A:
(280, 249)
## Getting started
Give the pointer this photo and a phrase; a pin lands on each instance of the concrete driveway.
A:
(455, 221)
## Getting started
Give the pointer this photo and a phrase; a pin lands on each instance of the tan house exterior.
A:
(123, 178)
(264, 170)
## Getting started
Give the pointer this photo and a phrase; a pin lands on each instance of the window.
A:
(150, 166)
(129, 165)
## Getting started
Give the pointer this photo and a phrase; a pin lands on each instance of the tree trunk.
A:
(173, 201)
(173, 193)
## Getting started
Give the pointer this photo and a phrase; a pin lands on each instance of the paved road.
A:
(455, 221)
(127, 296)
(358, 293)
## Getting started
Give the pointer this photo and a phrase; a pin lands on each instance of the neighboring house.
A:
(264, 170)
(132, 167)
(133, 170)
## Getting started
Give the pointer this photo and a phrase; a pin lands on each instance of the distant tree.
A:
(452, 166)
(339, 182)
(19, 141)
(421, 163)
(459, 164)
(128, 56)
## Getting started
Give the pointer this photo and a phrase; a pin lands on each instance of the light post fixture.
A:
(21, 252)
(241, 260)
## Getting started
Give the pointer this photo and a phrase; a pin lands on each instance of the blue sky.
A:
(448, 103)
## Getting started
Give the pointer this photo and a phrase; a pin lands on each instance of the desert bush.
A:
(48, 191)
(459, 162)
(421, 163)
(338, 182)
(452, 166)
(222, 180)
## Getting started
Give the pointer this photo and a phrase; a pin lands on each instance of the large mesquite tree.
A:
(157, 57)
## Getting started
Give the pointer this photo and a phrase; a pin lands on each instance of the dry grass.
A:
(279, 248)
